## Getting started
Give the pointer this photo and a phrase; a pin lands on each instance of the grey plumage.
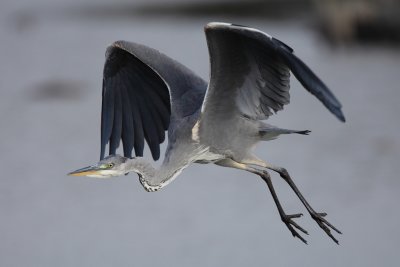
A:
(146, 93)
(150, 81)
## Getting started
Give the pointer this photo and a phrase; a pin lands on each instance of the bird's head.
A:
(113, 165)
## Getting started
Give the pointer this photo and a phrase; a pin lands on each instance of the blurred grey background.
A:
(52, 55)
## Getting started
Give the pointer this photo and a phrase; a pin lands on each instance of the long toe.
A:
(325, 225)
(292, 225)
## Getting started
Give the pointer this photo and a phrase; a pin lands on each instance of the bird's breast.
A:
(206, 156)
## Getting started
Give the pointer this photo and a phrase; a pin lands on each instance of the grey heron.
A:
(146, 93)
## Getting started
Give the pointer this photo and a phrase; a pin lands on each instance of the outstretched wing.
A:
(143, 90)
(250, 74)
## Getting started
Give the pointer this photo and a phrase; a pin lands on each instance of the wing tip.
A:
(339, 114)
(337, 111)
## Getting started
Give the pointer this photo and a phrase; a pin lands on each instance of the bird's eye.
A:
(110, 165)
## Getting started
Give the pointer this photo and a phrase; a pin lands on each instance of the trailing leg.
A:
(287, 219)
(319, 217)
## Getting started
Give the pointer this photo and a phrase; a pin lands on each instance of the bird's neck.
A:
(151, 178)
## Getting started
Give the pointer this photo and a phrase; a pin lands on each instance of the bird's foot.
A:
(319, 217)
(291, 225)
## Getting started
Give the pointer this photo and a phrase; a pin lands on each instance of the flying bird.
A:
(146, 93)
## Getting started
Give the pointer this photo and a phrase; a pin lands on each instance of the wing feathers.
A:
(250, 76)
(138, 127)
(313, 84)
(138, 137)
(150, 132)
(117, 124)
(107, 115)
(255, 68)
(128, 133)
(135, 105)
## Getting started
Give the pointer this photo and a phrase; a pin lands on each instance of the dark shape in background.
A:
(338, 21)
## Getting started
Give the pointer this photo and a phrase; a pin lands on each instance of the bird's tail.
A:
(269, 132)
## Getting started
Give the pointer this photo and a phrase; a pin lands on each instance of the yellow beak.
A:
(90, 170)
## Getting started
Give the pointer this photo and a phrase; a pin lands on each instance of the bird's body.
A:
(146, 93)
